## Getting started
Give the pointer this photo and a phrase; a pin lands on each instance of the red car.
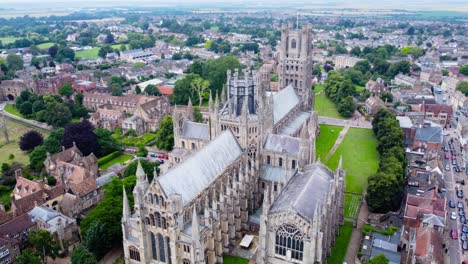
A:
(454, 234)
(454, 158)
(447, 156)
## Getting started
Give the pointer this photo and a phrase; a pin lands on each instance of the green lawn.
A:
(324, 106)
(351, 205)
(88, 54)
(326, 140)
(15, 131)
(120, 159)
(338, 253)
(360, 158)
(46, 45)
(7, 40)
(12, 110)
(117, 46)
(359, 88)
(136, 141)
(234, 260)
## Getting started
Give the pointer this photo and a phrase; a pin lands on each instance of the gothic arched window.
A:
(183, 144)
(268, 160)
(153, 247)
(293, 164)
(150, 198)
(152, 219)
(280, 162)
(155, 199)
(162, 252)
(186, 261)
(158, 219)
(168, 244)
(289, 238)
(134, 253)
(293, 44)
(163, 222)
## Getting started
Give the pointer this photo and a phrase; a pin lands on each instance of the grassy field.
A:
(323, 105)
(351, 205)
(7, 40)
(88, 54)
(360, 158)
(338, 253)
(234, 260)
(120, 159)
(117, 46)
(46, 45)
(359, 88)
(15, 131)
(12, 110)
(326, 139)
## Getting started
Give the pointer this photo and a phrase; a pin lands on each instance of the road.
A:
(455, 251)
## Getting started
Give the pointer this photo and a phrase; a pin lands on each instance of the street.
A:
(455, 252)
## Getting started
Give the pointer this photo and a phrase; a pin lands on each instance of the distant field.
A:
(7, 40)
(118, 46)
(360, 158)
(326, 140)
(15, 131)
(87, 54)
(46, 45)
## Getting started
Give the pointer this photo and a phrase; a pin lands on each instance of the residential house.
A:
(84, 86)
(153, 112)
(374, 104)
(18, 228)
(136, 123)
(405, 80)
(375, 244)
(428, 136)
(9, 250)
(376, 87)
(345, 61)
(135, 55)
(438, 113)
(107, 118)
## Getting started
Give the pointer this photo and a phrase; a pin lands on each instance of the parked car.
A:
(461, 212)
(454, 234)
(454, 162)
(153, 155)
(463, 237)
(454, 158)
(452, 204)
(447, 167)
(465, 245)
(445, 148)
(464, 228)
(453, 216)
(462, 219)
(460, 194)
(447, 156)
(460, 205)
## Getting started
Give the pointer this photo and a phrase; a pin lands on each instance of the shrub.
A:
(109, 157)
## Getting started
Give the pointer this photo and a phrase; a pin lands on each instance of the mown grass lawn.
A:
(15, 131)
(323, 105)
(7, 40)
(46, 45)
(118, 46)
(360, 158)
(234, 260)
(359, 88)
(120, 159)
(338, 253)
(12, 110)
(351, 205)
(326, 140)
(87, 54)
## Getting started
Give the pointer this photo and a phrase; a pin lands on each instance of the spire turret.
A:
(126, 207)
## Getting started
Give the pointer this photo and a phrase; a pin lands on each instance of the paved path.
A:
(112, 256)
(337, 143)
(355, 242)
(23, 120)
(356, 123)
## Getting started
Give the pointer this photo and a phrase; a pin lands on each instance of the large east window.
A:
(289, 238)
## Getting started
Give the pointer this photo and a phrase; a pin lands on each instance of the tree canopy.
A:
(165, 134)
(30, 140)
(82, 134)
(82, 256)
(462, 86)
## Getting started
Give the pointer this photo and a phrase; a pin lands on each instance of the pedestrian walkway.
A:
(355, 241)
(337, 143)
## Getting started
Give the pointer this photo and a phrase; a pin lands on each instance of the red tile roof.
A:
(16, 226)
(166, 90)
(416, 206)
(428, 247)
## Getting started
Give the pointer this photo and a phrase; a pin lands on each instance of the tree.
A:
(214, 71)
(399, 67)
(14, 62)
(53, 143)
(28, 257)
(379, 259)
(147, 166)
(165, 134)
(362, 66)
(137, 90)
(82, 134)
(384, 192)
(44, 244)
(26, 108)
(410, 31)
(199, 85)
(37, 157)
(98, 239)
(65, 53)
(82, 256)
(109, 38)
(66, 90)
(30, 140)
(197, 115)
(103, 51)
(107, 143)
(356, 51)
(462, 86)
(387, 97)
(56, 114)
(347, 107)
(117, 90)
(53, 51)
(177, 56)
(182, 92)
(464, 70)
(151, 89)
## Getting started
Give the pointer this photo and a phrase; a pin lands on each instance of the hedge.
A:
(367, 229)
(109, 157)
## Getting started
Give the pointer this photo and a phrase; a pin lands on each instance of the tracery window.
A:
(293, 44)
(288, 237)
(153, 246)
(186, 261)
(162, 252)
(134, 253)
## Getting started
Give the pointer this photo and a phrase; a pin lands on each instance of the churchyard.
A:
(341, 245)
(326, 140)
(323, 105)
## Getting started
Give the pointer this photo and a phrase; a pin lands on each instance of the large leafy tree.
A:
(463, 87)
(82, 134)
(66, 90)
(82, 256)
(464, 70)
(98, 239)
(107, 143)
(53, 142)
(379, 259)
(165, 134)
(28, 257)
(30, 140)
(14, 62)
(147, 166)
(182, 89)
(44, 244)
(200, 86)
(37, 157)
(347, 107)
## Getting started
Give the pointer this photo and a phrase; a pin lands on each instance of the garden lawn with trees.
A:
(325, 107)
(121, 158)
(88, 54)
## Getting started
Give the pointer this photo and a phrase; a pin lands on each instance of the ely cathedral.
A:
(249, 170)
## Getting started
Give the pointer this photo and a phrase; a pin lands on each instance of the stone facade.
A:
(255, 154)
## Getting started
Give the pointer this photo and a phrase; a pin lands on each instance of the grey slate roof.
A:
(305, 191)
(274, 174)
(195, 130)
(283, 102)
(282, 144)
(106, 178)
(294, 124)
(429, 134)
(198, 171)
